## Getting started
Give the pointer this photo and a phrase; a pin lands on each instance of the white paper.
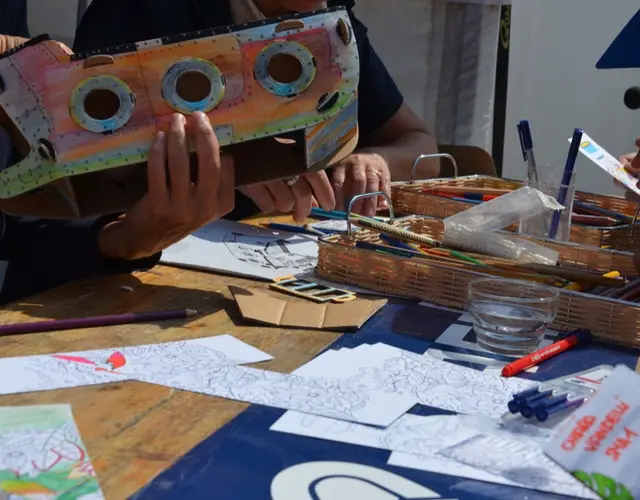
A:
(431, 381)
(76, 369)
(244, 250)
(519, 461)
(607, 162)
(338, 395)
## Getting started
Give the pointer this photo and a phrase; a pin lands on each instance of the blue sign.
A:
(624, 51)
(244, 460)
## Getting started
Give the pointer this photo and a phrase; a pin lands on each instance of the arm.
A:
(388, 126)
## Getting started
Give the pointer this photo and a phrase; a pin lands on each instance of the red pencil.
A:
(545, 353)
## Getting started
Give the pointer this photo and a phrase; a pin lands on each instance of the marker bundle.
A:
(558, 396)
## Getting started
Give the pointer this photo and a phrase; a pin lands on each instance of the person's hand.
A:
(358, 174)
(174, 205)
(296, 196)
(631, 163)
(9, 42)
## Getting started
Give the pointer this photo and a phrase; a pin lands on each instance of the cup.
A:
(510, 316)
(550, 183)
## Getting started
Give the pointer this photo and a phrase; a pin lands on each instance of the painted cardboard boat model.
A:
(281, 95)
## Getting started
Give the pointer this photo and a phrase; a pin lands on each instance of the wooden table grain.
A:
(134, 431)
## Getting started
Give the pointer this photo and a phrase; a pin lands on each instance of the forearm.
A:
(8, 42)
(401, 154)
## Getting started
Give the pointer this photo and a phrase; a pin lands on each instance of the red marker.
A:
(545, 353)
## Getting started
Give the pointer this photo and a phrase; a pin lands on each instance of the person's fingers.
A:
(226, 187)
(385, 187)
(283, 196)
(322, 189)
(358, 178)
(304, 199)
(261, 196)
(338, 178)
(157, 190)
(370, 205)
(179, 168)
(208, 153)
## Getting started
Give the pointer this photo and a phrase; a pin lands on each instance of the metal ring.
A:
(77, 106)
(292, 181)
(428, 157)
(368, 195)
(193, 65)
(285, 89)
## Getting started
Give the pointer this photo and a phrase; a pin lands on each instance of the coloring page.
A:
(244, 250)
(101, 366)
(431, 381)
(343, 399)
(607, 162)
(42, 455)
(521, 462)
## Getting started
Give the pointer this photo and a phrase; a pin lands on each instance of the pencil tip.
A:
(191, 312)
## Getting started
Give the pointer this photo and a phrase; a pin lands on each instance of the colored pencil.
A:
(94, 321)
(545, 353)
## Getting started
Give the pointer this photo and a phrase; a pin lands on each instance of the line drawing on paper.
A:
(269, 253)
(334, 398)
(42, 455)
(447, 386)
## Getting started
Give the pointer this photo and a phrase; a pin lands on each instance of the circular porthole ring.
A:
(286, 89)
(193, 65)
(108, 83)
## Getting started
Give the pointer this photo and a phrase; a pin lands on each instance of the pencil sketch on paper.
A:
(42, 455)
(266, 252)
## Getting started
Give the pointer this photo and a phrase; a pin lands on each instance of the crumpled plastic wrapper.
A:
(476, 229)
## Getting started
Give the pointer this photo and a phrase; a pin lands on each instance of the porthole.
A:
(285, 68)
(102, 104)
(193, 85)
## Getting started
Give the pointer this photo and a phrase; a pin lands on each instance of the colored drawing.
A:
(43, 457)
(606, 487)
(277, 83)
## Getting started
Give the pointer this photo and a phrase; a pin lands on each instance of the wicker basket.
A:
(341, 261)
(409, 199)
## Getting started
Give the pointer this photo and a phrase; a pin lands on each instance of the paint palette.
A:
(281, 95)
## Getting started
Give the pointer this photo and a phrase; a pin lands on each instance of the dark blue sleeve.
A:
(42, 254)
(378, 95)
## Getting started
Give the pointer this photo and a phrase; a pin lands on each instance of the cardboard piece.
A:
(281, 95)
(269, 309)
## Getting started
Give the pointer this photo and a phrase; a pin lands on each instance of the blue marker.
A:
(526, 394)
(290, 228)
(526, 144)
(566, 179)
(544, 413)
(529, 404)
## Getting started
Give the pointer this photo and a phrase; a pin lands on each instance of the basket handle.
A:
(421, 158)
(368, 195)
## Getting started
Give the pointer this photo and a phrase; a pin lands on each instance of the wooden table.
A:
(134, 431)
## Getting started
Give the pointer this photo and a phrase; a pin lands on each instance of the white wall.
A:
(553, 82)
